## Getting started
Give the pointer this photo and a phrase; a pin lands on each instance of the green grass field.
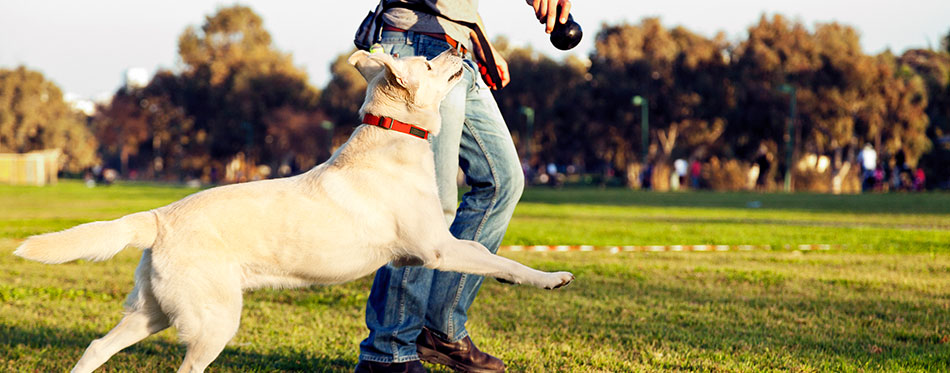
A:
(880, 304)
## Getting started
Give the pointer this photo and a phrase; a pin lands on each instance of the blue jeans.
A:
(474, 137)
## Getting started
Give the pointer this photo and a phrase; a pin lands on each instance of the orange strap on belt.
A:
(448, 39)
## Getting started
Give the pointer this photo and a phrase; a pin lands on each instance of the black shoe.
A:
(373, 367)
(461, 356)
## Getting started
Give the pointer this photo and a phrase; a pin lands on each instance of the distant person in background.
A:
(552, 174)
(879, 178)
(753, 177)
(89, 179)
(681, 167)
(646, 176)
(920, 179)
(695, 171)
(97, 173)
(900, 175)
(895, 178)
(763, 160)
(868, 160)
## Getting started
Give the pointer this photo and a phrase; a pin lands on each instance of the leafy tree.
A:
(904, 102)
(683, 77)
(294, 136)
(844, 97)
(776, 52)
(122, 126)
(33, 116)
(232, 86)
(934, 68)
(834, 89)
(342, 97)
(147, 130)
(542, 84)
(236, 80)
(236, 94)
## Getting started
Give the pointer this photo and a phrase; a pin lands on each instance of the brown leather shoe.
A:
(413, 366)
(462, 356)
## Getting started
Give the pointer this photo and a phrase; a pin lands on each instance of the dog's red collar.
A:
(395, 125)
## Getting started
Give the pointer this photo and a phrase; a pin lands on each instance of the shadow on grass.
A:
(61, 348)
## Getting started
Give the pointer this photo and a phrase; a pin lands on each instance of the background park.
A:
(832, 265)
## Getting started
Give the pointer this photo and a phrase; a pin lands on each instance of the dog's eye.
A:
(429, 65)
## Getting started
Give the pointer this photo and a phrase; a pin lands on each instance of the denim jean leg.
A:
(490, 162)
(394, 314)
(395, 311)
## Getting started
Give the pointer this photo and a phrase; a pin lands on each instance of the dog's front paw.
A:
(558, 279)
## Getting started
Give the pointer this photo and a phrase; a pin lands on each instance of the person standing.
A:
(415, 312)
(920, 179)
(681, 166)
(695, 174)
(868, 159)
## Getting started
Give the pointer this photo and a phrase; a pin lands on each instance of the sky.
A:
(85, 46)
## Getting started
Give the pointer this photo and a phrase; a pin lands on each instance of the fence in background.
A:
(34, 168)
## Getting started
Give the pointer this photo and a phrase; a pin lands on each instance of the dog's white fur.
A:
(373, 202)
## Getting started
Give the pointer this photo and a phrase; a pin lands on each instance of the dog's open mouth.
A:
(456, 75)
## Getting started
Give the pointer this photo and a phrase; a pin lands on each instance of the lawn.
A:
(881, 303)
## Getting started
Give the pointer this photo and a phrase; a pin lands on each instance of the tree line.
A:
(785, 100)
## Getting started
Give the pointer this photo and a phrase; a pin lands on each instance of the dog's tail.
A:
(94, 241)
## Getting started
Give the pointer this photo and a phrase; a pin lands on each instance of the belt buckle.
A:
(382, 123)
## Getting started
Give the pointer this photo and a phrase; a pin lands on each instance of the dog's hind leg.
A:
(143, 317)
(472, 257)
(207, 316)
(218, 325)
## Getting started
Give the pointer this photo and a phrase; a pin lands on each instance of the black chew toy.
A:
(566, 35)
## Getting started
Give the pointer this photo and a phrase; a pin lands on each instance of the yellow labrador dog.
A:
(373, 202)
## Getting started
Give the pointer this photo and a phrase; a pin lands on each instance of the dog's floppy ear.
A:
(370, 64)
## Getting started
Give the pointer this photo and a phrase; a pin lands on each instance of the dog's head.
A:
(408, 89)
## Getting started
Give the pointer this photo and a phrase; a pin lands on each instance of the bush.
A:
(729, 175)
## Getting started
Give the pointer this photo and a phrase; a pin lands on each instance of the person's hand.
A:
(546, 11)
(502, 66)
